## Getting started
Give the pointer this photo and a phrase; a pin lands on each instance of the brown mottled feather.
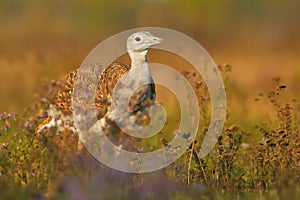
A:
(62, 97)
(106, 82)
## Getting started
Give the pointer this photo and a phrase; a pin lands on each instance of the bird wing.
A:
(61, 92)
(106, 82)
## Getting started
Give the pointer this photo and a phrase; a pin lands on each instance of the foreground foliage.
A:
(47, 164)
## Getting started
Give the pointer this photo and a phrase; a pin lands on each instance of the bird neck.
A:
(140, 70)
(138, 59)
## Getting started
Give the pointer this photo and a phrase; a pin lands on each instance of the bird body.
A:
(138, 75)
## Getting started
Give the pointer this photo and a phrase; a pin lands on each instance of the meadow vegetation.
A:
(47, 164)
(256, 157)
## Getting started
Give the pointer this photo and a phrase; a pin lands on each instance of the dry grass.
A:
(264, 159)
(258, 153)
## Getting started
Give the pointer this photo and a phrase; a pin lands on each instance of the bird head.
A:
(141, 41)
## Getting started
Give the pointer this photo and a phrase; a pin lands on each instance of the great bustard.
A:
(60, 110)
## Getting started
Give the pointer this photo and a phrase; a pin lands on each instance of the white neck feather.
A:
(138, 58)
(139, 66)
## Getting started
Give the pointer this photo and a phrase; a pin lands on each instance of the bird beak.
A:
(157, 40)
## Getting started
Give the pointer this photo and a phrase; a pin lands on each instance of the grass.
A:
(257, 156)
(263, 162)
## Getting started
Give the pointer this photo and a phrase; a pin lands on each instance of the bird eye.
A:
(137, 39)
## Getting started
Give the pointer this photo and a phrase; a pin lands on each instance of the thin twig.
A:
(190, 162)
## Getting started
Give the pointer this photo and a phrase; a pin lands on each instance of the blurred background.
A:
(47, 39)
